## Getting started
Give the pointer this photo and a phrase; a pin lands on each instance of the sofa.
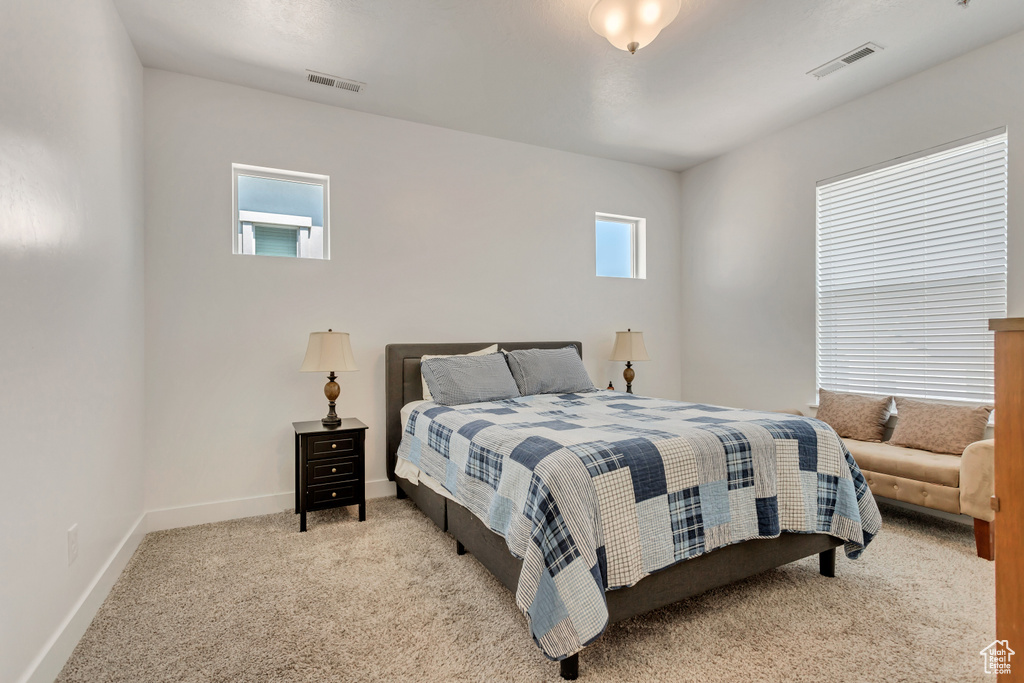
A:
(962, 485)
(955, 483)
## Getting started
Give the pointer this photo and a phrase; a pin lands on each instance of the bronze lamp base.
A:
(628, 374)
(331, 391)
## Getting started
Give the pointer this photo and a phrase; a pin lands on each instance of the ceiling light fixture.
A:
(632, 24)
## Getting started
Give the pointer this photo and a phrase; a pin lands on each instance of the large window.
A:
(911, 266)
(280, 213)
(621, 246)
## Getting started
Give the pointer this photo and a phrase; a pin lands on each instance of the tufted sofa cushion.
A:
(920, 493)
(907, 463)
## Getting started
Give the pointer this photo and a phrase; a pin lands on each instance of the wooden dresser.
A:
(1009, 489)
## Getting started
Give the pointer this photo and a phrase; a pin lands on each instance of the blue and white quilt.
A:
(595, 491)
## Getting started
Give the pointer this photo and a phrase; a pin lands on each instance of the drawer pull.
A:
(334, 495)
(333, 470)
(334, 445)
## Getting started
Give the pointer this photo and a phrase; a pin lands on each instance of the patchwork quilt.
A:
(595, 491)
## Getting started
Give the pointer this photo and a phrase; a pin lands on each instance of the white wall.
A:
(748, 221)
(436, 235)
(71, 313)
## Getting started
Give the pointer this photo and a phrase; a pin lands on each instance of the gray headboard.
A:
(402, 382)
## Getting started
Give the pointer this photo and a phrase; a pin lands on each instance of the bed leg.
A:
(569, 667)
(459, 548)
(827, 563)
(399, 493)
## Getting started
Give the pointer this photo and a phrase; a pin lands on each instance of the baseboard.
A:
(381, 488)
(966, 520)
(55, 653)
(220, 511)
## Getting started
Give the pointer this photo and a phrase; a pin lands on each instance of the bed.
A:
(627, 590)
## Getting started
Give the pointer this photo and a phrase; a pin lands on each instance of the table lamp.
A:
(629, 346)
(329, 351)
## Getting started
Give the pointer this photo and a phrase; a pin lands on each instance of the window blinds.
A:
(911, 266)
(276, 241)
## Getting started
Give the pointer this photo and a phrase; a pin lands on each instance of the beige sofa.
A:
(960, 484)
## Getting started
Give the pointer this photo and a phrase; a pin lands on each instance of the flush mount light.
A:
(632, 24)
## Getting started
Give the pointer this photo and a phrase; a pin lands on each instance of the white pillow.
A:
(493, 348)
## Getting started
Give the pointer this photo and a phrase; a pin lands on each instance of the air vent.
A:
(860, 53)
(334, 81)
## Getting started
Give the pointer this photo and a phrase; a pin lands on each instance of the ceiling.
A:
(724, 73)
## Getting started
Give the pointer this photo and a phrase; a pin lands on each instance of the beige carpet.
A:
(388, 599)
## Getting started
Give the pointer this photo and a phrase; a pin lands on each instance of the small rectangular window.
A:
(620, 246)
(280, 213)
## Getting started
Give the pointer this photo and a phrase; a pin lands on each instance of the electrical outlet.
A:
(72, 544)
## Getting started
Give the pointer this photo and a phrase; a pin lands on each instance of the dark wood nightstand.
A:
(330, 467)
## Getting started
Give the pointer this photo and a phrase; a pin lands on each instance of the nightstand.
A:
(330, 467)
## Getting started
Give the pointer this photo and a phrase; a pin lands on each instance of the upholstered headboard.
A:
(402, 382)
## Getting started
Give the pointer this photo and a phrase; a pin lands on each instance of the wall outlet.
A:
(72, 544)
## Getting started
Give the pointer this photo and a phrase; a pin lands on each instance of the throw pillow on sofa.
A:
(854, 416)
(938, 427)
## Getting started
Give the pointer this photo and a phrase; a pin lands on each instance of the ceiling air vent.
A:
(334, 81)
(860, 53)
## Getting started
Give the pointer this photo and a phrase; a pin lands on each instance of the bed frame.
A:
(683, 580)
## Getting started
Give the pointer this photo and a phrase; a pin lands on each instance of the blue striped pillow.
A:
(549, 371)
(454, 380)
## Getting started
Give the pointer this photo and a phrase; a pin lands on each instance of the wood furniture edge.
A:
(1006, 325)
(1009, 477)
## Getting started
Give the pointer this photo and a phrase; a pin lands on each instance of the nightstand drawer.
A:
(343, 493)
(333, 469)
(327, 446)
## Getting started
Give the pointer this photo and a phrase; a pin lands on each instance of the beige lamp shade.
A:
(328, 351)
(631, 24)
(629, 346)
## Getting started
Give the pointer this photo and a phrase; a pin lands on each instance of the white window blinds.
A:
(911, 266)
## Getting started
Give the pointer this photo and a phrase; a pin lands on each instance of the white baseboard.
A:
(219, 511)
(381, 488)
(55, 653)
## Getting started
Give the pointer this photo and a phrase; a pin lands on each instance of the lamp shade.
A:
(631, 24)
(629, 346)
(328, 351)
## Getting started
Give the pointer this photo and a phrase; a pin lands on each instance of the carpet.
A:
(388, 599)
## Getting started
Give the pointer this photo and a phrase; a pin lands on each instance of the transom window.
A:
(621, 245)
(280, 213)
(911, 266)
